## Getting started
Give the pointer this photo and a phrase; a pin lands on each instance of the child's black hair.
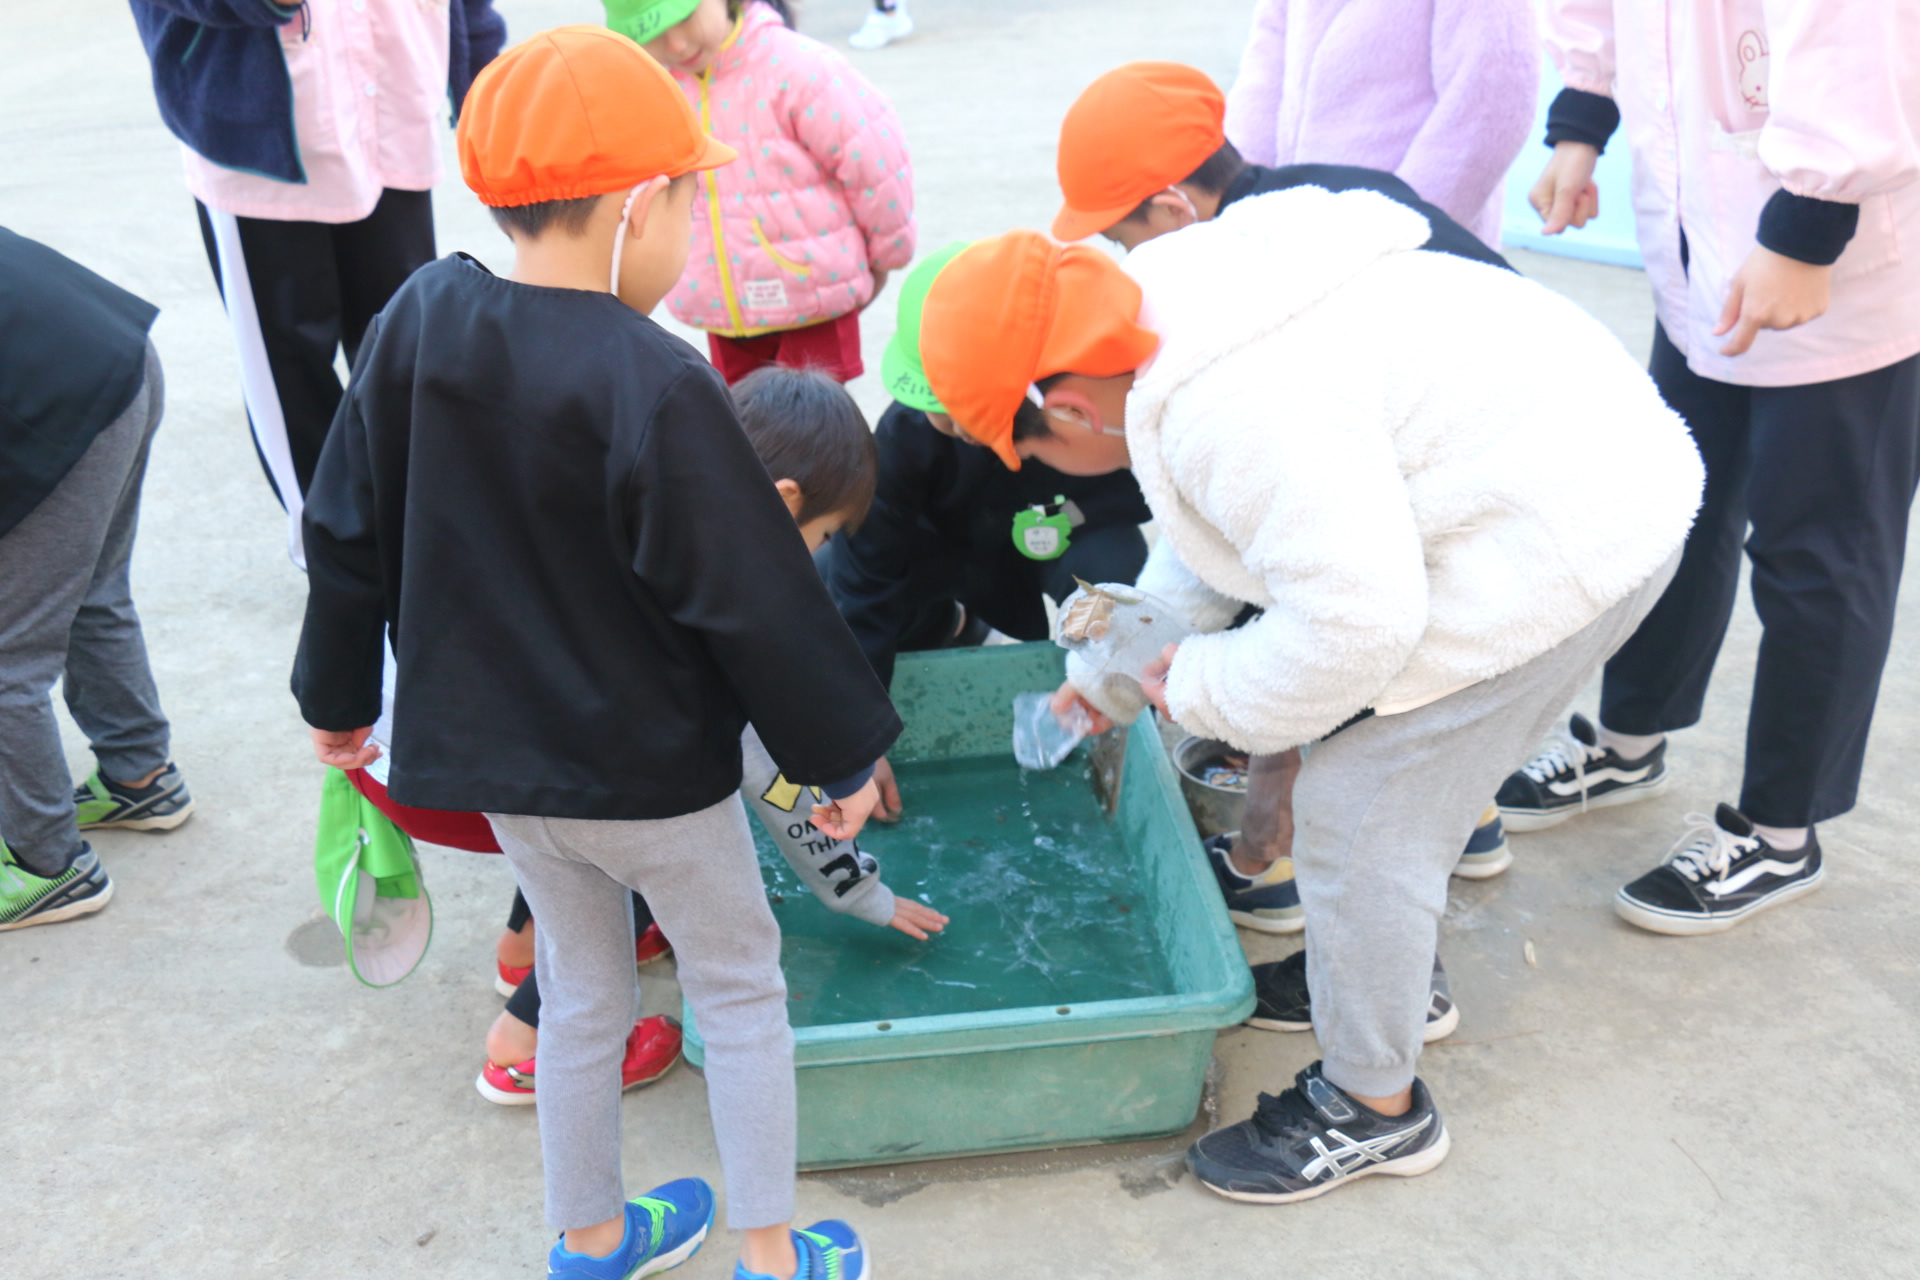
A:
(780, 7)
(807, 429)
(531, 220)
(1215, 174)
(571, 216)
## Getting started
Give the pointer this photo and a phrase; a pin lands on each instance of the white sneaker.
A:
(882, 28)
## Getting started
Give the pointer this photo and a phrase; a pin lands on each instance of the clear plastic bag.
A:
(1041, 740)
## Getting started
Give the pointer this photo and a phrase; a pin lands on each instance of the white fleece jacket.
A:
(1426, 470)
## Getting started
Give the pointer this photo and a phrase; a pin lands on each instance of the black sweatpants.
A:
(296, 293)
(1823, 476)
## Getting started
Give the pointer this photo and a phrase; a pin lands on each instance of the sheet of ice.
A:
(1044, 900)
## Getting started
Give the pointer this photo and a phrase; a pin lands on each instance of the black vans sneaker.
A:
(1573, 774)
(161, 805)
(1282, 1003)
(1718, 874)
(1314, 1137)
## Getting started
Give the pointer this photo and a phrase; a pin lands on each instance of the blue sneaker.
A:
(829, 1250)
(1269, 902)
(665, 1227)
(1487, 854)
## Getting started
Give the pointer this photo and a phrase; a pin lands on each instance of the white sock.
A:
(1629, 746)
(1785, 839)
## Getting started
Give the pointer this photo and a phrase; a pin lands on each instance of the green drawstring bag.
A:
(370, 884)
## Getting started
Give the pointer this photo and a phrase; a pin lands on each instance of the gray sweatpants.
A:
(699, 874)
(1381, 812)
(66, 608)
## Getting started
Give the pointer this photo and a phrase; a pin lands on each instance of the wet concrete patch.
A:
(318, 944)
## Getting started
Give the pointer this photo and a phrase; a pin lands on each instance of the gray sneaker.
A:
(161, 805)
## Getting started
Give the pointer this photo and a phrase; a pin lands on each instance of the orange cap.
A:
(1136, 130)
(573, 112)
(1011, 310)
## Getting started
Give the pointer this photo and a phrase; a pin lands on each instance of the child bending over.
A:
(809, 433)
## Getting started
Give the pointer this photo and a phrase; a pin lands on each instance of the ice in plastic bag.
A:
(1041, 740)
(1116, 629)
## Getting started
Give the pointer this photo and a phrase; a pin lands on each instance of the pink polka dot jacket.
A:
(822, 194)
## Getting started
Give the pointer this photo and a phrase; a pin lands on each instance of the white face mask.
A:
(1181, 196)
(620, 237)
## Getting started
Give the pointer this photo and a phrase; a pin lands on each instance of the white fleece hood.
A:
(1426, 471)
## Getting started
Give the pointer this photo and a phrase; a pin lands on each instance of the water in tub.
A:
(1045, 900)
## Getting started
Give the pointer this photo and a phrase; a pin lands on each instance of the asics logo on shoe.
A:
(1765, 867)
(1351, 1155)
(1588, 781)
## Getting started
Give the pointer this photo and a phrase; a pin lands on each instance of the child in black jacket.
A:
(591, 586)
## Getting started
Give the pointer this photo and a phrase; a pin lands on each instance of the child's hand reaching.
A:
(916, 919)
(888, 810)
(843, 818)
(345, 748)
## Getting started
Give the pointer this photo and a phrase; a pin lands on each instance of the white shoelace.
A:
(1564, 752)
(1707, 849)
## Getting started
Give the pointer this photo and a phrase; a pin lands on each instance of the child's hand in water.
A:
(888, 810)
(345, 748)
(916, 919)
(843, 818)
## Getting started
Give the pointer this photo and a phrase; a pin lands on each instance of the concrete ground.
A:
(200, 1090)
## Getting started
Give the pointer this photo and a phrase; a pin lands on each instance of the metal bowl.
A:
(1216, 810)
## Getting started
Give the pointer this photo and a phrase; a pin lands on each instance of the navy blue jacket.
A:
(222, 83)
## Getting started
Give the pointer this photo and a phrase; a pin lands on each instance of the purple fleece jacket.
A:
(1440, 92)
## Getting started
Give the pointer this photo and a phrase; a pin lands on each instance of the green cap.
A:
(644, 20)
(900, 368)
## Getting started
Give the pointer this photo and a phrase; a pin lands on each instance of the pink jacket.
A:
(1441, 92)
(1726, 102)
(789, 234)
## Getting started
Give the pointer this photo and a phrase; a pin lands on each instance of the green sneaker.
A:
(161, 805)
(27, 898)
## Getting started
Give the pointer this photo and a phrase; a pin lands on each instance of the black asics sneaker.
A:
(1572, 774)
(1283, 1005)
(1718, 874)
(161, 805)
(1314, 1137)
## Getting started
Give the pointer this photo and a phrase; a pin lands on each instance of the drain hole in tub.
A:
(1063, 1009)
(883, 1026)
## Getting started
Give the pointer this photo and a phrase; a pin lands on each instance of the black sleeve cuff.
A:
(847, 786)
(1578, 116)
(1807, 230)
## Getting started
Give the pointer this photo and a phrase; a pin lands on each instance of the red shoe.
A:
(652, 1049)
(506, 980)
(651, 945)
(508, 1086)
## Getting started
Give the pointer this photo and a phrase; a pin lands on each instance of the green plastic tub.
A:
(1074, 998)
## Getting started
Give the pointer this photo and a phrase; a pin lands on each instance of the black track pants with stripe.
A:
(297, 293)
